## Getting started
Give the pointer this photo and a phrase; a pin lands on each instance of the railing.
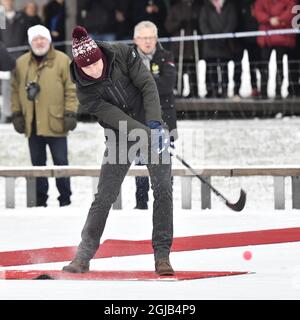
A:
(278, 173)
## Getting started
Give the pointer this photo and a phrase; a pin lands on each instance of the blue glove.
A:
(161, 139)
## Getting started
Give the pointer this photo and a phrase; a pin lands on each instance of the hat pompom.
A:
(79, 33)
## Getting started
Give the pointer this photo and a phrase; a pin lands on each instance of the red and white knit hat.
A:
(84, 49)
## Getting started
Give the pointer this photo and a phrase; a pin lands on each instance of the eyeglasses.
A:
(147, 38)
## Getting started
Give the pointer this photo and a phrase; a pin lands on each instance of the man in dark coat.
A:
(184, 15)
(14, 35)
(7, 63)
(217, 16)
(15, 32)
(150, 10)
(160, 62)
(114, 85)
(55, 21)
(99, 18)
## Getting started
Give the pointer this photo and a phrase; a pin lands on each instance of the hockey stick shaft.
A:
(238, 206)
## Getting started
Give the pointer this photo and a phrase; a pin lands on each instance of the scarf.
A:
(146, 58)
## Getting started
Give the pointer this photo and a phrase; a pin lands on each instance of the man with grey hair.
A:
(160, 62)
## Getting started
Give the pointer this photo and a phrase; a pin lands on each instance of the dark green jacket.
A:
(128, 94)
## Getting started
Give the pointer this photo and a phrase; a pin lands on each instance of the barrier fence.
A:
(279, 175)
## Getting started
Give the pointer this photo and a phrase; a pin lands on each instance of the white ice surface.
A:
(275, 268)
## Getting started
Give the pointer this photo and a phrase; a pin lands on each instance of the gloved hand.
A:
(70, 120)
(161, 138)
(18, 122)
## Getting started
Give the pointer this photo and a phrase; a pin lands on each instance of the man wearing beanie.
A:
(114, 85)
(44, 107)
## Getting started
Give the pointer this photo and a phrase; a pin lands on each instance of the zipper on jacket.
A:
(113, 95)
(121, 97)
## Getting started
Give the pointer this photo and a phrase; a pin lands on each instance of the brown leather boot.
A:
(77, 266)
(163, 267)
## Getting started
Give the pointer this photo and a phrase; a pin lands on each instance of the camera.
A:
(32, 89)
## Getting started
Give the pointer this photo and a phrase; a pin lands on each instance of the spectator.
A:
(31, 14)
(184, 15)
(13, 36)
(122, 17)
(272, 15)
(99, 17)
(55, 21)
(160, 62)
(217, 16)
(150, 10)
(44, 106)
(246, 22)
(7, 63)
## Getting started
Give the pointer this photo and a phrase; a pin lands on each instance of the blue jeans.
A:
(59, 151)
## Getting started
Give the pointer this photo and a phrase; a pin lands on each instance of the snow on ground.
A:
(275, 268)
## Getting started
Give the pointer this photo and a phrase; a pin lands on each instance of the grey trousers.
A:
(110, 181)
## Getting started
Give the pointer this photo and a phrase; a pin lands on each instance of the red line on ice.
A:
(119, 248)
(112, 275)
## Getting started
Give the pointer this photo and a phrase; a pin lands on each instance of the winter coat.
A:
(184, 15)
(211, 22)
(15, 33)
(246, 19)
(55, 16)
(57, 93)
(7, 63)
(266, 9)
(138, 13)
(163, 70)
(99, 17)
(129, 93)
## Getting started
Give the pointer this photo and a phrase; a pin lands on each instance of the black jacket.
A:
(7, 63)
(55, 16)
(137, 13)
(184, 15)
(15, 33)
(211, 22)
(128, 94)
(163, 70)
(246, 19)
(99, 15)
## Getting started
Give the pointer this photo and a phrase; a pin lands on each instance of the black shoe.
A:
(163, 267)
(77, 266)
(141, 206)
(41, 203)
(64, 203)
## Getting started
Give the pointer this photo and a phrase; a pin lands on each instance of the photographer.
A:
(44, 107)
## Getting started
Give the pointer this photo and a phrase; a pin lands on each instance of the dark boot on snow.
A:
(77, 266)
(163, 267)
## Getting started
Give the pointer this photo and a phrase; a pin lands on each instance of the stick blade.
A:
(238, 206)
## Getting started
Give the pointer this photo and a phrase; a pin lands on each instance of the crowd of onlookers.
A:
(115, 20)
